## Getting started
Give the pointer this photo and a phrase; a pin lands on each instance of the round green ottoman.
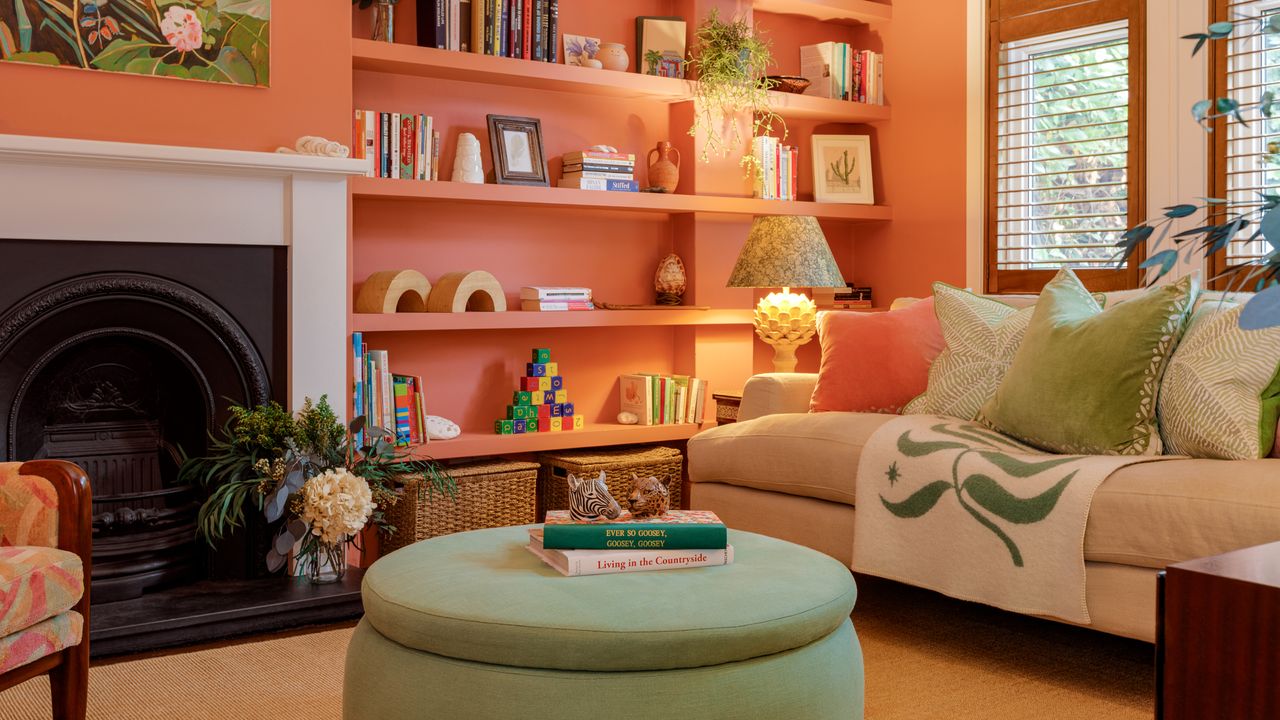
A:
(472, 625)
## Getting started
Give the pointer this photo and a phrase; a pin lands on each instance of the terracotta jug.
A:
(663, 173)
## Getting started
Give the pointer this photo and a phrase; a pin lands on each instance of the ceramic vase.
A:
(613, 56)
(383, 21)
(466, 161)
(663, 172)
(327, 563)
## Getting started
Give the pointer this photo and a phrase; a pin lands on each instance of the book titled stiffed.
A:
(673, 530)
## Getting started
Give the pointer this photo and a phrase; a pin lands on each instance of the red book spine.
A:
(527, 45)
(415, 430)
(357, 135)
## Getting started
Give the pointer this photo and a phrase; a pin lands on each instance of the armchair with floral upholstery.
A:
(46, 536)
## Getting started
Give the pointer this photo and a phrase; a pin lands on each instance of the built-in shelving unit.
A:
(853, 12)
(593, 435)
(516, 320)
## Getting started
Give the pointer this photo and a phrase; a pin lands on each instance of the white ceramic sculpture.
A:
(626, 418)
(466, 162)
(439, 428)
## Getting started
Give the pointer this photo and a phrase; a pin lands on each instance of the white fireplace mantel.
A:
(83, 190)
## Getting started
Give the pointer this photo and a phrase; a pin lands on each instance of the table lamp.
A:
(786, 252)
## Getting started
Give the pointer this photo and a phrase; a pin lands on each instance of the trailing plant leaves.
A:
(1270, 227)
(1200, 38)
(1180, 211)
(1020, 468)
(911, 448)
(1000, 502)
(275, 507)
(1220, 30)
(1262, 311)
(920, 502)
(1166, 259)
(1201, 109)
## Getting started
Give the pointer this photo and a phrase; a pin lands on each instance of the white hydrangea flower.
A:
(336, 504)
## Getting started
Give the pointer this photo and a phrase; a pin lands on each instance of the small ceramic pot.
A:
(591, 63)
(614, 56)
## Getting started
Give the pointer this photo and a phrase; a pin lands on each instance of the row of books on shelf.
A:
(599, 170)
(778, 168)
(662, 399)
(537, 298)
(837, 70)
(385, 399)
(505, 28)
(676, 539)
(405, 146)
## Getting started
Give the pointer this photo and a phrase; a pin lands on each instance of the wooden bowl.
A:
(787, 83)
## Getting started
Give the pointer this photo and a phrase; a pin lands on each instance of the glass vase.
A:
(384, 14)
(328, 562)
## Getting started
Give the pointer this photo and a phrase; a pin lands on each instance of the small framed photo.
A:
(842, 169)
(516, 143)
(581, 50)
(660, 45)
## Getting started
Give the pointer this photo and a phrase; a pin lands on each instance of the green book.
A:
(674, 530)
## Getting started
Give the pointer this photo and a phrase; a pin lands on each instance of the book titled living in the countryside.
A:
(675, 529)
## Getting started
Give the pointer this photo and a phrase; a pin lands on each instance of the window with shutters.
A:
(1245, 160)
(1065, 166)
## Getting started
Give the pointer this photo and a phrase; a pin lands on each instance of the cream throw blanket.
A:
(954, 506)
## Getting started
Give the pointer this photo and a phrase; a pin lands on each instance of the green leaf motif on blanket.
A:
(920, 502)
(1019, 468)
(990, 495)
(911, 448)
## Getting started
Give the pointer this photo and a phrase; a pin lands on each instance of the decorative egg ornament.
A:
(670, 281)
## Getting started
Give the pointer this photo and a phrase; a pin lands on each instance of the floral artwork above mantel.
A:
(227, 41)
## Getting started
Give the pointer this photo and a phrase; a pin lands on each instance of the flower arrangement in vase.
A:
(322, 482)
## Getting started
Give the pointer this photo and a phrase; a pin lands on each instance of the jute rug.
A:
(927, 657)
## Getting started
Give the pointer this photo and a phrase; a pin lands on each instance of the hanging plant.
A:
(731, 60)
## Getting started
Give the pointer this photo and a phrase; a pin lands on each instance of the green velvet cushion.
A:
(482, 596)
(1085, 381)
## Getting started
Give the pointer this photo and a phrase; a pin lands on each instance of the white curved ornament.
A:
(439, 428)
(466, 163)
(626, 418)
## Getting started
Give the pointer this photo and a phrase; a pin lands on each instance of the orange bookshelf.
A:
(841, 11)
(477, 444)
(518, 320)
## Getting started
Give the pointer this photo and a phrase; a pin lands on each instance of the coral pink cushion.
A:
(875, 362)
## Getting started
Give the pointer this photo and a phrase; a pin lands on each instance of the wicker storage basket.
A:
(492, 493)
(618, 464)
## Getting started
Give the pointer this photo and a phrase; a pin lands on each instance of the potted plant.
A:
(321, 481)
(383, 18)
(731, 60)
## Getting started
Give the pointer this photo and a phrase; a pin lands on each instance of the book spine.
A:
(415, 427)
(634, 536)
(357, 381)
(435, 155)
(526, 28)
(553, 31)
(795, 172)
(407, 149)
(421, 405)
(367, 395)
(388, 397)
(426, 128)
(442, 24)
(472, 31)
(602, 184)
(598, 166)
(539, 30)
(357, 135)
(455, 25)
(600, 174)
(371, 141)
(384, 145)
(394, 140)
(509, 21)
(486, 31)
(614, 562)
(544, 306)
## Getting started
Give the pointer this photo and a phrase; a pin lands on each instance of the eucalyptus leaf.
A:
(1180, 211)
(1227, 105)
(275, 560)
(1201, 109)
(275, 508)
(1166, 259)
(1220, 30)
(1262, 311)
(284, 540)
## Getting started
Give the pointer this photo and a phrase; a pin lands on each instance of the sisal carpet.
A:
(927, 657)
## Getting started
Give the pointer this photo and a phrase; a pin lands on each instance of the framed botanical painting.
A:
(226, 41)
(516, 143)
(842, 169)
(660, 46)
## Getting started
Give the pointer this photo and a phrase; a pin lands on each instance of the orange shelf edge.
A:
(851, 12)
(519, 320)
(478, 444)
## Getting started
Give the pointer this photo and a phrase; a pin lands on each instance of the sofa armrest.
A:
(774, 393)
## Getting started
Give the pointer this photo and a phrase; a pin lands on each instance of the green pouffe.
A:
(472, 626)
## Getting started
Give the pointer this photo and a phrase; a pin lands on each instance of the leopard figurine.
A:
(649, 497)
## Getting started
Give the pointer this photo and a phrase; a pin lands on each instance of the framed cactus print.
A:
(842, 169)
(226, 41)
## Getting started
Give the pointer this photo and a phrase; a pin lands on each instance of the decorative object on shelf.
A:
(392, 291)
(670, 281)
(469, 291)
(542, 402)
(842, 169)
(589, 499)
(660, 45)
(786, 252)
(467, 167)
(628, 418)
(224, 42)
(861, 81)
(316, 145)
(516, 143)
(648, 498)
(620, 306)
(555, 299)
(581, 50)
(658, 399)
(601, 167)
(439, 428)
(383, 18)
(729, 58)
(663, 173)
(294, 469)
(786, 83)
(619, 465)
(613, 56)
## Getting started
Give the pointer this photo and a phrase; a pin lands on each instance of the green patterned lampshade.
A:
(786, 251)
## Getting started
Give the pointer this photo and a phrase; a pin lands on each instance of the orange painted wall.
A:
(309, 95)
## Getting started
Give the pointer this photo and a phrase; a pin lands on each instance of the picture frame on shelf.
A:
(660, 46)
(516, 143)
(842, 169)
(581, 50)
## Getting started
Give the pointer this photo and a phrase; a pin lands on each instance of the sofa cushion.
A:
(28, 509)
(1157, 513)
(875, 362)
(37, 583)
(41, 640)
(813, 455)
(1085, 381)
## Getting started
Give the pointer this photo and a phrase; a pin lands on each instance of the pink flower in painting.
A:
(182, 29)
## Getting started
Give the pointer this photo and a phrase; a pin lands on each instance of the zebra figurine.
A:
(590, 499)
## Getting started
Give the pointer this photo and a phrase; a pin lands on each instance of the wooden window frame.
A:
(1013, 20)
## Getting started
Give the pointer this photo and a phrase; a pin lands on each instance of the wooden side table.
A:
(727, 407)
(1218, 641)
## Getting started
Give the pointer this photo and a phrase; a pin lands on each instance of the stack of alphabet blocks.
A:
(542, 402)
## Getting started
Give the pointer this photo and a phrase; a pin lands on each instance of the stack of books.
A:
(404, 146)
(555, 299)
(836, 70)
(779, 173)
(853, 298)
(596, 170)
(542, 402)
(662, 399)
(525, 29)
(386, 400)
(677, 539)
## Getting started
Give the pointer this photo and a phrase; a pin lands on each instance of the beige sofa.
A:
(784, 472)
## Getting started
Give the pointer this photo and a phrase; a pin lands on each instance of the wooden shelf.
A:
(517, 320)
(478, 444)
(411, 60)
(849, 12)
(571, 199)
